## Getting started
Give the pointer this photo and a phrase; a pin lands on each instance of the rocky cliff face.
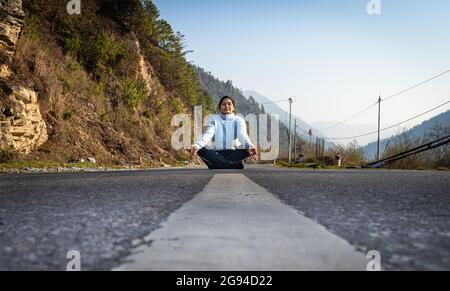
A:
(11, 22)
(21, 125)
(102, 84)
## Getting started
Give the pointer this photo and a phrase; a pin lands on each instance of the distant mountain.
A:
(418, 131)
(244, 105)
(273, 108)
(219, 88)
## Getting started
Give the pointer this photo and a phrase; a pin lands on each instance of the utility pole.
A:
(310, 137)
(290, 117)
(295, 139)
(379, 124)
(290, 135)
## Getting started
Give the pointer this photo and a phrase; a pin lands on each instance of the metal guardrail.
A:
(425, 147)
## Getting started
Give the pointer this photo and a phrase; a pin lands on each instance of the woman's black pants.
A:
(227, 159)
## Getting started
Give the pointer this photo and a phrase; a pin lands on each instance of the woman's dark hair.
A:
(223, 98)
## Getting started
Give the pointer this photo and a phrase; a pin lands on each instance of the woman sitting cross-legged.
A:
(227, 129)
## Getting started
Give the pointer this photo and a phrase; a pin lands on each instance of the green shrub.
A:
(72, 45)
(30, 27)
(98, 97)
(100, 89)
(104, 52)
(68, 114)
(7, 155)
(67, 84)
(105, 117)
(73, 67)
(147, 114)
(176, 106)
(133, 92)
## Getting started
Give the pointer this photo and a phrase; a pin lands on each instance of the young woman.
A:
(232, 144)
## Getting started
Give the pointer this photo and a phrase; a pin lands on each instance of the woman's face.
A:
(227, 107)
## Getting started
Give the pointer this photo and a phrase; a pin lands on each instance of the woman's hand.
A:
(253, 152)
(194, 150)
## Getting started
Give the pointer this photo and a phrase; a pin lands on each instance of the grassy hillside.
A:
(108, 80)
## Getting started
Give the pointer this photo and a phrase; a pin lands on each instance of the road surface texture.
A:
(261, 218)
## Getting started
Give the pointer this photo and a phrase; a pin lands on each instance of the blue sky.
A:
(331, 55)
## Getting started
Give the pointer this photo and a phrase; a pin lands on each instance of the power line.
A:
(275, 102)
(387, 98)
(302, 129)
(384, 129)
(287, 100)
(357, 114)
(415, 86)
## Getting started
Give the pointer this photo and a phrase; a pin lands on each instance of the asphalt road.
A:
(404, 215)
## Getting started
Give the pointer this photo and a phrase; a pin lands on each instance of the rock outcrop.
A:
(11, 23)
(21, 125)
(4, 71)
(145, 71)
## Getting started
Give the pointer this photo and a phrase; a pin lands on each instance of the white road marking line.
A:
(235, 224)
